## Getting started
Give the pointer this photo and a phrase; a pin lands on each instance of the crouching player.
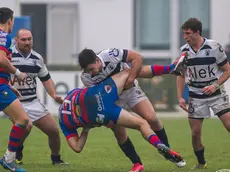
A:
(95, 106)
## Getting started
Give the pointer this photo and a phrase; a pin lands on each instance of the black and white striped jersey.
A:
(203, 67)
(33, 65)
(113, 60)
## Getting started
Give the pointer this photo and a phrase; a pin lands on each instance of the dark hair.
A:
(5, 14)
(194, 24)
(86, 57)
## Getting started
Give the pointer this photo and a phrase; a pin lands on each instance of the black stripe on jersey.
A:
(116, 70)
(45, 78)
(125, 55)
(201, 84)
(205, 47)
(223, 63)
(32, 56)
(185, 49)
(29, 99)
(27, 91)
(28, 69)
(201, 61)
(203, 96)
(16, 55)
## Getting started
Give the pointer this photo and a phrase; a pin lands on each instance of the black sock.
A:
(21, 148)
(129, 150)
(200, 156)
(19, 154)
(55, 158)
(161, 134)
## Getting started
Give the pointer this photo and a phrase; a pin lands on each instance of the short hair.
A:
(194, 24)
(86, 57)
(22, 29)
(5, 14)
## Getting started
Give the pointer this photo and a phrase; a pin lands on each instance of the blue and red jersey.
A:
(72, 113)
(5, 45)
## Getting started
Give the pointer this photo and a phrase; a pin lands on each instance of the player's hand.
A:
(182, 104)
(208, 90)
(129, 83)
(58, 99)
(18, 94)
(22, 76)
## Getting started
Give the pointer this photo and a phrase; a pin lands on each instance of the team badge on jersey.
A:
(108, 88)
(207, 52)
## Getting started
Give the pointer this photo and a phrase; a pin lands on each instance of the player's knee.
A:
(120, 134)
(142, 123)
(196, 132)
(54, 133)
(25, 122)
(152, 119)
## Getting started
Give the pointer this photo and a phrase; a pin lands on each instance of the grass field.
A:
(102, 154)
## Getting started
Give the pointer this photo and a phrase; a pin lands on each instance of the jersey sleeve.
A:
(114, 55)
(43, 74)
(68, 132)
(5, 43)
(221, 57)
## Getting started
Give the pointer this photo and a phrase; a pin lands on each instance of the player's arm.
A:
(222, 62)
(77, 143)
(180, 82)
(135, 59)
(47, 82)
(5, 64)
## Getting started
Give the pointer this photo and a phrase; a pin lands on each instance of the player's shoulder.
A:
(35, 55)
(109, 52)
(184, 48)
(5, 39)
(214, 45)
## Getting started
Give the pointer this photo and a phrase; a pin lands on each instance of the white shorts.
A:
(35, 109)
(201, 108)
(131, 97)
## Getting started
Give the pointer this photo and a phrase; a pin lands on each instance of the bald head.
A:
(24, 40)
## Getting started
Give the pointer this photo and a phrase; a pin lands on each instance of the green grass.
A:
(102, 154)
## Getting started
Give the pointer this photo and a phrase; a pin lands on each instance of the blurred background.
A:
(62, 28)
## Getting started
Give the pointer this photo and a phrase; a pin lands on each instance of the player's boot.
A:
(180, 64)
(170, 155)
(12, 166)
(56, 160)
(200, 166)
(137, 168)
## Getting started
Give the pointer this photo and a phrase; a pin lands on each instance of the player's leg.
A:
(150, 71)
(128, 148)
(21, 123)
(120, 79)
(198, 110)
(19, 152)
(221, 108)
(198, 147)
(48, 125)
(128, 120)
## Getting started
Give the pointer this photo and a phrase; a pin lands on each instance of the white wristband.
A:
(17, 73)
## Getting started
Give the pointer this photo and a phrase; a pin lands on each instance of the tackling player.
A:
(98, 67)
(95, 106)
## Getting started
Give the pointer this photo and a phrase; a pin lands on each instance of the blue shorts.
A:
(100, 103)
(7, 96)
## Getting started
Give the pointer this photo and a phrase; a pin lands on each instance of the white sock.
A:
(9, 156)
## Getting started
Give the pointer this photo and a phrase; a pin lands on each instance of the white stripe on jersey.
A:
(203, 66)
(33, 65)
